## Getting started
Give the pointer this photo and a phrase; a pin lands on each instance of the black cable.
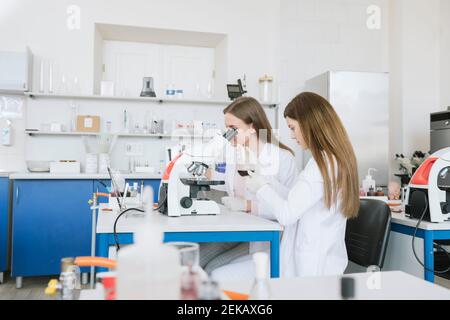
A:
(102, 183)
(161, 203)
(116, 238)
(434, 244)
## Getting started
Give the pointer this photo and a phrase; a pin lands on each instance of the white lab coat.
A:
(313, 241)
(276, 165)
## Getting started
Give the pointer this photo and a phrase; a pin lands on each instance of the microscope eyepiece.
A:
(230, 134)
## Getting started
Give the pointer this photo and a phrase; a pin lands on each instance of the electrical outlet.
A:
(134, 149)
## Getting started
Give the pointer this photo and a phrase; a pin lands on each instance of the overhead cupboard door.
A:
(190, 69)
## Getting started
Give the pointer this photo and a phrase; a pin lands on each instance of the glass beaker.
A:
(265, 88)
(189, 261)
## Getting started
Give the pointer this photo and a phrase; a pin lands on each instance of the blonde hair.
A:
(250, 111)
(326, 137)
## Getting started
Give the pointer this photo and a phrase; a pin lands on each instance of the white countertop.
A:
(78, 176)
(400, 218)
(4, 174)
(393, 285)
(226, 221)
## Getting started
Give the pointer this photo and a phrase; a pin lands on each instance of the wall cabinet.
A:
(16, 71)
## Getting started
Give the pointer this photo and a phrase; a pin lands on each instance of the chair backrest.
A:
(367, 236)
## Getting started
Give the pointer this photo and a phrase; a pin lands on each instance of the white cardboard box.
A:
(65, 167)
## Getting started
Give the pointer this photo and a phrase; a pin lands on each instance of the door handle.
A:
(17, 195)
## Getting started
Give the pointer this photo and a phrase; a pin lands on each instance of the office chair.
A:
(367, 236)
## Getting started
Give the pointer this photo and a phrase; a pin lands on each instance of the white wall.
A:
(322, 35)
(249, 25)
(252, 29)
(293, 40)
(445, 53)
(415, 67)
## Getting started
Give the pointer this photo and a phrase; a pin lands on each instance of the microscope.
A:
(183, 185)
(428, 193)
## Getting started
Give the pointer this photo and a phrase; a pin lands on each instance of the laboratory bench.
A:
(427, 231)
(389, 285)
(392, 285)
(51, 218)
(228, 226)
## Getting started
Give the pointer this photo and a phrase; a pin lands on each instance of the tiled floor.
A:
(33, 288)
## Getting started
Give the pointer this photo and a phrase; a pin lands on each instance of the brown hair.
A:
(326, 137)
(250, 111)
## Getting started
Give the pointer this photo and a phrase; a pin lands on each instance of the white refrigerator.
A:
(361, 100)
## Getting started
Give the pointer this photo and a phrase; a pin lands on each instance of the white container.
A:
(65, 167)
(148, 269)
(103, 162)
(144, 169)
(265, 89)
(198, 128)
(369, 182)
(107, 88)
(56, 127)
(91, 163)
(6, 134)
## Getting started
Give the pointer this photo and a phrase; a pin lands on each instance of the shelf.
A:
(11, 92)
(130, 135)
(35, 95)
(49, 133)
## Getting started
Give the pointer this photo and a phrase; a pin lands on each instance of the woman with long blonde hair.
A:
(315, 211)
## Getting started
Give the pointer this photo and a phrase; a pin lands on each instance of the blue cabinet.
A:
(4, 223)
(51, 220)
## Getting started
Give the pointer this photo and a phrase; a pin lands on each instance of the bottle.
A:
(108, 126)
(69, 278)
(73, 116)
(260, 289)
(41, 76)
(347, 288)
(126, 121)
(148, 269)
(7, 134)
(371, 192)
(170, 91)
(162, 166)
(362, 193)
(190, 283)
(135, 190)
(179, 93)
(380, 192)
(369, 182)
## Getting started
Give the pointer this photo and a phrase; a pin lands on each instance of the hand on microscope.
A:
(236, 204)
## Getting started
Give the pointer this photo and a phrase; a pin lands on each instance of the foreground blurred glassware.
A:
(191, 273)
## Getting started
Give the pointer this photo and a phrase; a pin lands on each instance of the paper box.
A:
(88, 123)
